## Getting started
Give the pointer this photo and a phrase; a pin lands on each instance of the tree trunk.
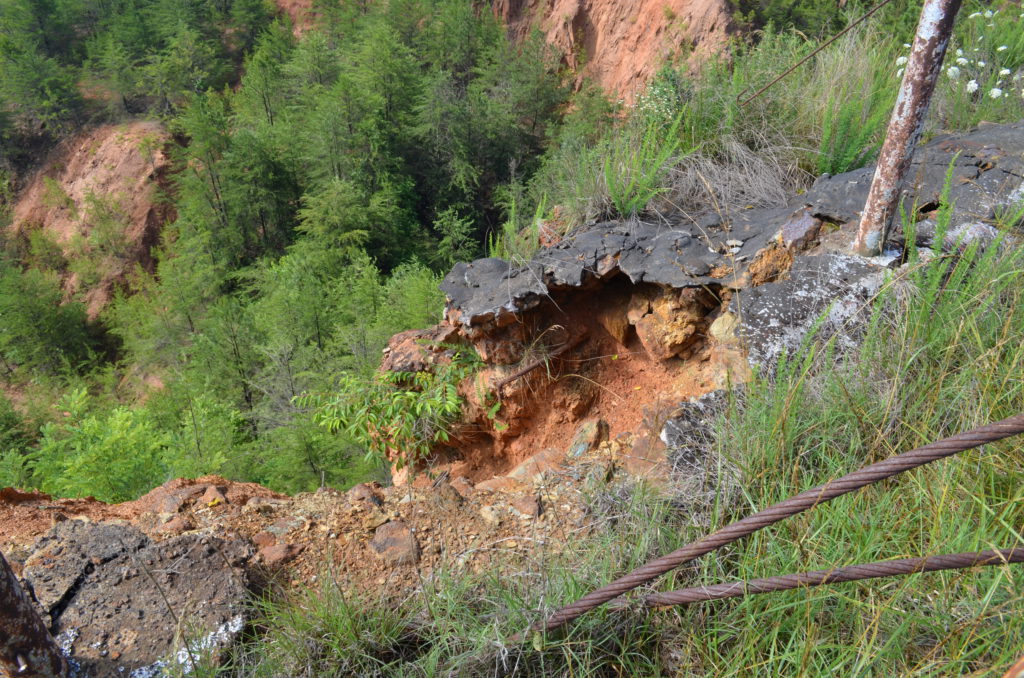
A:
(26, 648)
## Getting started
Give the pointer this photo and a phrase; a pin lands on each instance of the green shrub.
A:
(38, 330)
(635, 165)
(113, 456)
(395, 415)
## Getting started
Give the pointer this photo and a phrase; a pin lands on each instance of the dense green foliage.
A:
(316, 203)
(320, 196)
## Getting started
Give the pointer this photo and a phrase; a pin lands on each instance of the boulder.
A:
(120, 602)
(396, 544)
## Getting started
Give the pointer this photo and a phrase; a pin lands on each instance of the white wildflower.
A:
(981, 64)
(962, 61)
(959, 52)
(953, 72)
(988, 14)
(995, 93)
(1004, 71)
(902, 61)
(906, 45)
(1002, 48)
(972, 86)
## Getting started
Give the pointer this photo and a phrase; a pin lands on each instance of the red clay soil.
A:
(600, 378)
(24, 515)
(122, 164)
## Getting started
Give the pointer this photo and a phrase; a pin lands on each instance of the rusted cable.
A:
(1017, 670)
(790, 507)
(820, 47)
(887, 568)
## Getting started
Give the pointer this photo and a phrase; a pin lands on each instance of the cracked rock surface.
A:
(120, 604)
(778, 316)
(986, 168)
(986, 165)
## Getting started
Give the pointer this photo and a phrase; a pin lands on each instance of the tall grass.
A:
(830, 115)
(941, 350)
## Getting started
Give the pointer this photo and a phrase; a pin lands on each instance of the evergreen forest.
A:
(324, 180)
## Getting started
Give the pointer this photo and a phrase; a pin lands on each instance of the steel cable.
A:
(887, 568)
(790, 507)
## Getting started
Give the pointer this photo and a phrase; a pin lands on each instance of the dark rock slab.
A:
(120, 603)
(984, 164)
(715, 248)
(491, 290)
(776, 317)
(63, 558)
(672, 255)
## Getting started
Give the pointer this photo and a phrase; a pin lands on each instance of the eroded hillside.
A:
(620, 44)
(96, 201)
(598, 350)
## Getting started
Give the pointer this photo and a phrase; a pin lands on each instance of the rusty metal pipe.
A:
(923, 67)
(26, 648)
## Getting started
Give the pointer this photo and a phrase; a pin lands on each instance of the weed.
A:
(635, 165)
(396, 415)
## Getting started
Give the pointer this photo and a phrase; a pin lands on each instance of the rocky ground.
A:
(608, 351)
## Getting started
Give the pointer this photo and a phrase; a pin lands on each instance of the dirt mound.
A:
(620, 44)
(121, 585)
(96, 198)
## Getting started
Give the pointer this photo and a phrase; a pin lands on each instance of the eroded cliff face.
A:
(620, 44)
(604, 336)
(96, 199)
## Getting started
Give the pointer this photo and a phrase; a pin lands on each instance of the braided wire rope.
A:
(796, 504)
(887, 568)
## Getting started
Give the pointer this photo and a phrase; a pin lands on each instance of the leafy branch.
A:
(402, 413)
